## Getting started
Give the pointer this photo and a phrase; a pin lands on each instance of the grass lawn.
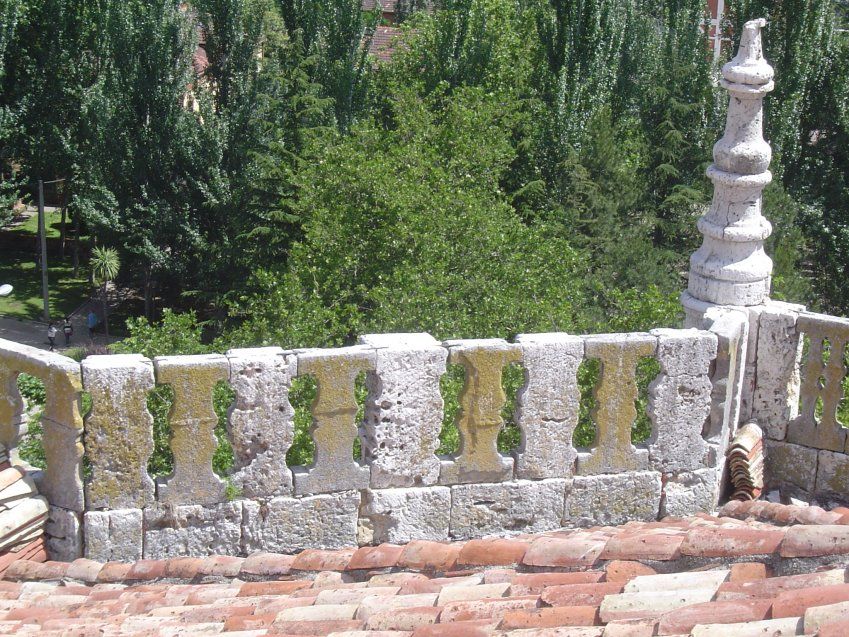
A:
(52, 222)
(66, 293)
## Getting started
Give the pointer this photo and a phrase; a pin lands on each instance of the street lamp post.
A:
(43, 238)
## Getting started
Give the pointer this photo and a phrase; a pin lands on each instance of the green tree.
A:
(408, 230)
(105, 265)
(150, 171)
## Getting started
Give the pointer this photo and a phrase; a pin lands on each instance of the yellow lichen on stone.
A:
(119, 431)
(193, 420)
(615, 394)
(334, 414)
(479, 420)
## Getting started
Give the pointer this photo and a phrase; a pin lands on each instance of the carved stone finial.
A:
(731, 267)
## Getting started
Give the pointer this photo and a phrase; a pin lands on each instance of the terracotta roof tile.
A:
(430, 556)
(318, 560)
(562, 583)
(370, 557)
(492, 552)
(577, 550)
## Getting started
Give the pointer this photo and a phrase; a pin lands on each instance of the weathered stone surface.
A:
(62, 482)
(776, 397)
(287, 525)
(113, 536)
(13, 418)
(685, 352)
(193, 530)
(522, 505)
(731, 267)
(731, 328)
(679, 407)
(690, 492)
(613, 499)
(193, 420)
(118, 431)
(615, 413)
(479, 420)
(833, 474)
(403, 412)
(547, 406)
(790, 464)
(334, 413)
(399, 516)
(821, 380)
(261, 422)
(680, 399)
(63, 535)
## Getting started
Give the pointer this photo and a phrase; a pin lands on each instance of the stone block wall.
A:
(400, 490)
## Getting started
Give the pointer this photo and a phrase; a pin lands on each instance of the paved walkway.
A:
(34, 333)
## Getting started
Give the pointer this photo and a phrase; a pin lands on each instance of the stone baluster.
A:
(479, 421)
(334, 419)
(118, 431)
(403, 414)
(822, 381)
(547, 406)
(680, 399)
(62, 423)
(13, 418)
(731, 267)
(261, 421)
(615, 395)
(193, 420)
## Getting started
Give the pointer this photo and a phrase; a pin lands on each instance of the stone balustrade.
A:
(400, 489)
(799, 396)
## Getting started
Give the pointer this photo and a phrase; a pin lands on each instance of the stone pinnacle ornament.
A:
(731, 267)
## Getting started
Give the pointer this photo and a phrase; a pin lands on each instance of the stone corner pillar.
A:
(731, 267)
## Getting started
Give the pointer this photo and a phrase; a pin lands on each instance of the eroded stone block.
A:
(678, 407)
(520, 506)
(685, 352)
(547, 406)
(680, 399)
(13, 418)
(118, 431)
(261, 422)
(690, 492)
(790, 464)
(776, 397)
(479, 420)
(615, 412)
(194, 530)
(402, 515)
(613, 499)
(113, 536)
(287, 525)
(62, 482)
(334, 414)
(833, 474)
(403, 412)
(63, 535)
(193, 420)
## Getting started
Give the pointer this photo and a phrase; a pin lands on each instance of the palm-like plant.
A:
(105, 264)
